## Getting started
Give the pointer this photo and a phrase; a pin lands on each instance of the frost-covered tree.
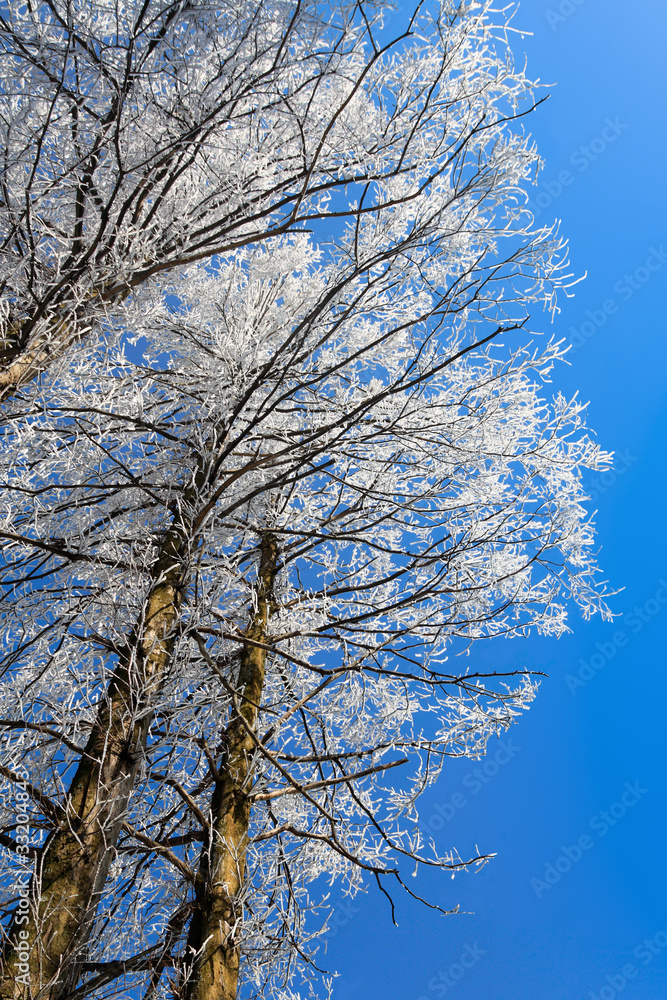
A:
(259, 483)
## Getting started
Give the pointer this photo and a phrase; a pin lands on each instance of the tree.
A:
(251, 504)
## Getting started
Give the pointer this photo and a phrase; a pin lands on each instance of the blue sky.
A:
(577, 795)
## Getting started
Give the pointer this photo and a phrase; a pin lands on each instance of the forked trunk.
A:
(213, 971)
(74, 862)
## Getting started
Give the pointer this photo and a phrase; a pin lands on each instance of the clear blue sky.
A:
(577, 750)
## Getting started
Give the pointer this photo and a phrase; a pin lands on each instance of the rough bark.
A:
(21, 362)
(213, 971)
(74, 862)
(34, 344)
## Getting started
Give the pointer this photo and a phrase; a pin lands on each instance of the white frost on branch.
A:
(348, 371)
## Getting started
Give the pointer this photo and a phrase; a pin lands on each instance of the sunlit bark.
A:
(213, 968)
(73, 864)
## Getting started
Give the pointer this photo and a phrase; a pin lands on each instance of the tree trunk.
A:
(74, 862)
(25, 356)
(213, 971)
(20, 364)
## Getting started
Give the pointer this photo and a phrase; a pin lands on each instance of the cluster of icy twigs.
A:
(274, 444)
